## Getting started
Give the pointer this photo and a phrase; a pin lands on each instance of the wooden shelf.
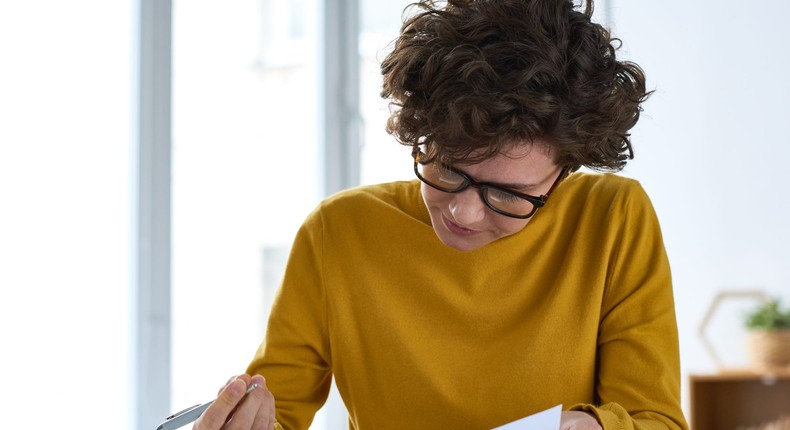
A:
(728, 400)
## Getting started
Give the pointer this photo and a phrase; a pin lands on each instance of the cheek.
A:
(434, 197)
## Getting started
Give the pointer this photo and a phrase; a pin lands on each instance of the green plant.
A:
(768, 316)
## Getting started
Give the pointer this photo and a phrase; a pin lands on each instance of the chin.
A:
(459, 243)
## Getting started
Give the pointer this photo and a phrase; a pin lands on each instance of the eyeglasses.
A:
(500, 200)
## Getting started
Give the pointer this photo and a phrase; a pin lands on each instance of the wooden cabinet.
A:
(732, 400)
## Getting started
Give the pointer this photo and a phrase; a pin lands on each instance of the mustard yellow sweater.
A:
(576, 309)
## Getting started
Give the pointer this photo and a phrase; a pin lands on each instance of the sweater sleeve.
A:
(638, 383)
(294, 357)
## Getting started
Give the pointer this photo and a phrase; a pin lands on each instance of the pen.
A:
(192, 413)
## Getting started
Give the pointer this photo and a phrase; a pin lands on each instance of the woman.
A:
(501, 281)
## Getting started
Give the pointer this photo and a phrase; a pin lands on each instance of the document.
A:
(546, 420)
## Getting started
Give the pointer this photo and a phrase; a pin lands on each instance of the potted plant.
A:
(769, 337)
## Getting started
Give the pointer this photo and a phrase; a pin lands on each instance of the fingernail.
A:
(238, 386)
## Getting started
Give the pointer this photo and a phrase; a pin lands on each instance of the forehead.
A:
(517, 149)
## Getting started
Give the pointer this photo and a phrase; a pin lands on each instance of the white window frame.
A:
(151, 268)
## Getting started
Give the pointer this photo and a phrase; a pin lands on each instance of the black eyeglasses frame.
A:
(537, 201)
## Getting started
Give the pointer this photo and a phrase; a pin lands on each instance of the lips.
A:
(457, 229)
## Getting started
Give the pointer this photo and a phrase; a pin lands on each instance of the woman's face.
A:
(464, 222)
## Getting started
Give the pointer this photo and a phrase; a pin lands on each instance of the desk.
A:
(725, 401)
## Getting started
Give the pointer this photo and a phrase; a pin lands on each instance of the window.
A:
(245, 174)
(65, 212)
(383, 158)
(246, 169)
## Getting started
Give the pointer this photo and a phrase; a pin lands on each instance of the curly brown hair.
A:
(468, 77)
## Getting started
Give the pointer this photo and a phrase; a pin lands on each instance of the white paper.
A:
(546, 420)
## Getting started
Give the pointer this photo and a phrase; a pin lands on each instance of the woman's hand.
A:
(233, 411)
(577, 420)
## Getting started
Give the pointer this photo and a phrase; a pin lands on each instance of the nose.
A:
(467, 207)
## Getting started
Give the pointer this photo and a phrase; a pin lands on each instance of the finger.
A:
(264, 418)
(218, 413)
(246, 413)
(244, 377)
(256, 411)
(231, 379)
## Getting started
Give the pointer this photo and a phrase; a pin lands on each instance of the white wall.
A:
(712, 150)
(65, 214)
